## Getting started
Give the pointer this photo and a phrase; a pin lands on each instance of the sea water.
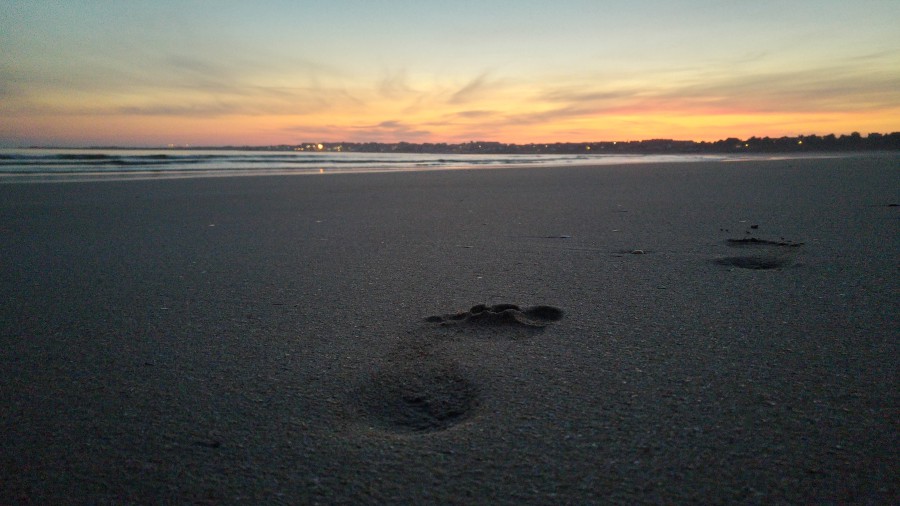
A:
(35, 165)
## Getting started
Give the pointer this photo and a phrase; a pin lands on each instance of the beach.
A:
(663, 333)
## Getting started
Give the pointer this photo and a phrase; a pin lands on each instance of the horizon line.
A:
(462, 143)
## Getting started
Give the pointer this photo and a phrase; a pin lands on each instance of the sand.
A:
(317, 339)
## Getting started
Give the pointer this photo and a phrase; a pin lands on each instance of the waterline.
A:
(67, 165)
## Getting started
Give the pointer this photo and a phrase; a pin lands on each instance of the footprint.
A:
(419, 393)
(765, 254)
(754, 242)
(623, 252)
(501, 315)
(754, 262)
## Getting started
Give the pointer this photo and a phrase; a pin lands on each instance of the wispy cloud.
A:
(840, 88)
(475, 114)
(470, 90)
(393, 129)
(806, 90)
(569, 95)
(385, 131)
(178, 84)
(393, 106)
(394, 85)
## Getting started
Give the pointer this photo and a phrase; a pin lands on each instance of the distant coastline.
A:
(798, 144)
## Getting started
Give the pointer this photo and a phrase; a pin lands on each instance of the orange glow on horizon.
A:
(274, 130)
(513, 111)
(514, 114)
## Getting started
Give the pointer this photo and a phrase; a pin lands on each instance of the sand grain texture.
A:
(264, 340)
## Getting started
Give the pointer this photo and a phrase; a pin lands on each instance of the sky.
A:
(191, 72)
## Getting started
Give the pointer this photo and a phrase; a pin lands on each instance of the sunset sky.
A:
(135, 73)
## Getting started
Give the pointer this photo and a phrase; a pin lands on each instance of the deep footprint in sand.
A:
(501, 315)
(765, 254)
(420, 391)
(419, 395)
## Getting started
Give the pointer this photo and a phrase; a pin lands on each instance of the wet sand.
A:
(687, 333)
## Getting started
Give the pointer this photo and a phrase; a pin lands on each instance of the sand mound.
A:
(762, 254)
(501, 315)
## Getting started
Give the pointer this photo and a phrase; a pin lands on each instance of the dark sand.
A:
(264, 339)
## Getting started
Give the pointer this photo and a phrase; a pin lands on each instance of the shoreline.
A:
(81, 175)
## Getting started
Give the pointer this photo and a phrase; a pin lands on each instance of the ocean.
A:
(60, 165)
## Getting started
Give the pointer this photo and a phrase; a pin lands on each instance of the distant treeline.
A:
(808, 143)
(852, 142)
